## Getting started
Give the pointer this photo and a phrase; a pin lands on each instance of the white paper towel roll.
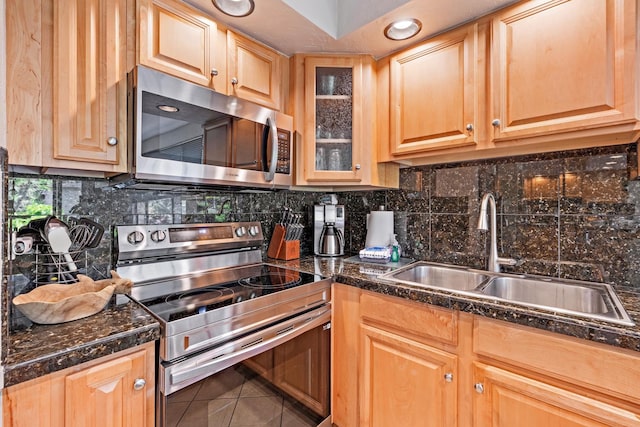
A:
(379, 228)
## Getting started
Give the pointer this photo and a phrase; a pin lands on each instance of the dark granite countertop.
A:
(364, 276)
(42, 349)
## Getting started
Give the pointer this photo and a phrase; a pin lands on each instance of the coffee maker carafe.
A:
(328, 230)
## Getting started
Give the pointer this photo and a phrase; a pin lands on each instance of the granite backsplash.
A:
(573, 214)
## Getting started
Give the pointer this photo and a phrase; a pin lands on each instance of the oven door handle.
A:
(239, 350)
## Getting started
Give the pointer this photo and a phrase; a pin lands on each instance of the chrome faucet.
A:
(494, 260)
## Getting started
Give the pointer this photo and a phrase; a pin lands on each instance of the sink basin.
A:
(429, 275)
(550, 294)
(585, 299)
(593, 300)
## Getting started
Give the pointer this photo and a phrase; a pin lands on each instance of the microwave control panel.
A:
(284, 152)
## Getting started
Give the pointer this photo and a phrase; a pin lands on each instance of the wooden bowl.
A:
(56, 303)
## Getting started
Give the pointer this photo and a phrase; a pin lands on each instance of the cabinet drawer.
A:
(417, 319)
(576, 361)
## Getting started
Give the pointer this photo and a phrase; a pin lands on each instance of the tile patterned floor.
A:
(235, 397)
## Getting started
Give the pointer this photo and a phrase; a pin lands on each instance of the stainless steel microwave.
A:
(184, 134)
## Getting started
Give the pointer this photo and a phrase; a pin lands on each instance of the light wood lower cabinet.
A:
(113, 391)
(404, 382)
(420, 365)
(506, 399)
(534, 378)
(394, 362)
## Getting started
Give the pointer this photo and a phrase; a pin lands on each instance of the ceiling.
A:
(347, 26)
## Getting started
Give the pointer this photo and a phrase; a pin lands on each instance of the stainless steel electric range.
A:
(229, 322)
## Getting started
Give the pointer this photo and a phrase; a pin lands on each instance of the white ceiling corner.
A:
(338, 18)
(322, 13)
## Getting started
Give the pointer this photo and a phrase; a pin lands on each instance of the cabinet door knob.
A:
(495, 123)
(479, 388)
(470, 127)
(448, 377)
(214, 72)
(112, 141)
(357, 166)
(234, 81)
(139, 384)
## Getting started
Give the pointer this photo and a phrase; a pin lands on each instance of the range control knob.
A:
(158, 236)
(254, 230)
(241, 231)
(135, 237)
(19, 247)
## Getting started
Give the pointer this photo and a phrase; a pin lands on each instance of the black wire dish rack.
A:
(47, 266)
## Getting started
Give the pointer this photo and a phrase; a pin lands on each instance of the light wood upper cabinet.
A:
(89, 80)
(26, 87)
(434, 93)
(539, 76)
(334, 114)
(66, 83)
(179, 40)
(254, 71)
(561, 66)
(114, 391)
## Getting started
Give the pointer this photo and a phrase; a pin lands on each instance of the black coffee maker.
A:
(328, 230)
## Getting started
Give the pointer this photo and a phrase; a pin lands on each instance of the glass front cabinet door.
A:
(333, 120)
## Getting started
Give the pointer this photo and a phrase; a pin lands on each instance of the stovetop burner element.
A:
(198, 296)
(273, 280)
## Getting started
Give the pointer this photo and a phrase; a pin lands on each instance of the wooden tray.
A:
(57, 303)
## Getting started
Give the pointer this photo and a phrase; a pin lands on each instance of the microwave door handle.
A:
(273, 133)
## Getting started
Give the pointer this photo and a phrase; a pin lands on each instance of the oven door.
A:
(276, 376)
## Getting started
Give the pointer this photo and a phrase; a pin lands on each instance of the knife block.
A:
(279, 248)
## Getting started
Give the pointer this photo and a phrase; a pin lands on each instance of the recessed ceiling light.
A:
(403, 29)
(237, 8)
(616, 156)
(168, 108)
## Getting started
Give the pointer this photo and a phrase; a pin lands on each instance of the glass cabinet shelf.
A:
(336, 97)
(332, 104)
(333, 140)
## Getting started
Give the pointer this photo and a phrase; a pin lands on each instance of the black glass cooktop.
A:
(210, 291)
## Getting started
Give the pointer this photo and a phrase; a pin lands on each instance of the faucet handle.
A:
(510, 261)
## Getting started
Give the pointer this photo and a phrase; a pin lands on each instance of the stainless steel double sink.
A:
(586, 299)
